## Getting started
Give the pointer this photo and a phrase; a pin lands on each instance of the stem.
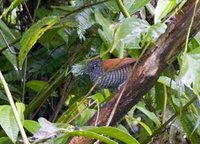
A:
(122, 8)
(165, 104)
(16, 114)
(190, 26)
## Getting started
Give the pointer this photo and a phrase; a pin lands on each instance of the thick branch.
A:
(151, 67)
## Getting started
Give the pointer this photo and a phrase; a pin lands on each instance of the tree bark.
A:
(149, 69)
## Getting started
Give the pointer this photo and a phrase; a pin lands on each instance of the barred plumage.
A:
(108, 79)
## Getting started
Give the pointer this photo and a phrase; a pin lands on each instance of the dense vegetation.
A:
(46, 95)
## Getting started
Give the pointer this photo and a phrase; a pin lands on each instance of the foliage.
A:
(43, 44)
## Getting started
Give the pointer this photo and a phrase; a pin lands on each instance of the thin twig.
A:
(190, 26)
(84, 7)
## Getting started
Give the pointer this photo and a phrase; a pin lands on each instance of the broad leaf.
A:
(116, 134)
(20, 109)
(8, 123)
(108, 29)
(155, 31)
(163, 8)
(190, 70)
(138, 4)
(36, 85)
(129, 33)
(32, 126)
(175, 85)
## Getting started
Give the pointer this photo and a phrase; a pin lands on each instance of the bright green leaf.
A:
(129, 33)
(31, 36)
(85, 114)
(8, 123)
(155, 31)
(112, 6)
(137, 5)
(190, 70)
(36, 85)
(146, 127)
(151, 115)
(91, 134)
(13, 5)
(98, 97)
(20, 109)
(116, 134)
(32, 126)
(108, 28)
(171, 84)
(163, 8)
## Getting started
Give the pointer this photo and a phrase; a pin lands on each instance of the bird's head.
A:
(95, 67)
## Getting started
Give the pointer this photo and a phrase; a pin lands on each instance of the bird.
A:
(111, 73)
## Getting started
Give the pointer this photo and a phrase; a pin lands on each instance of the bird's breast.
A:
(112, 79)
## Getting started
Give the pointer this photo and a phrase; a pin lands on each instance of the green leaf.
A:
(155, 31)
(91, 134)
(151, 115)
(112, 6)
(144, 126)
(128, 34)
(36, 85)
(13, 5)
(5, 140)
(98, 97)
(163, 8)
(108, 28)
(8, 123)
(138, 4)
(20, 109)
(69, 114)
(85, 114)
(32, 126)
(171, 83)
(47, 124)
(190, 70)
(116, 134)
(31, 36)
(188, 121)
